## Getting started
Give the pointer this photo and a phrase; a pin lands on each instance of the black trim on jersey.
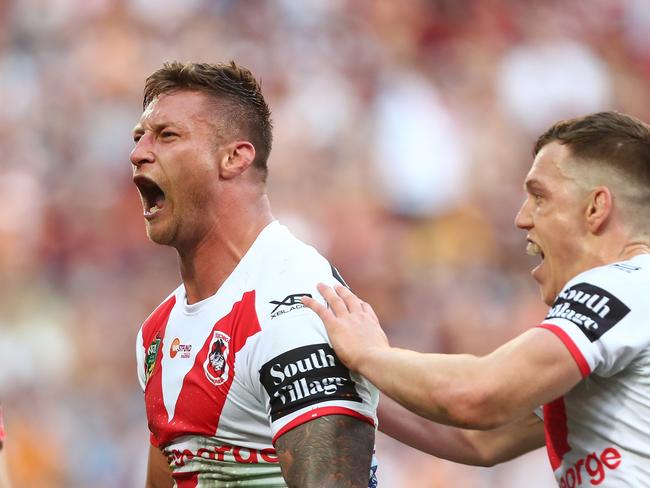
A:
(591, 308)
(337, 276)
(305, 376)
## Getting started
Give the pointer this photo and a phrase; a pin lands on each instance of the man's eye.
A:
(167, 134)
(136, 138)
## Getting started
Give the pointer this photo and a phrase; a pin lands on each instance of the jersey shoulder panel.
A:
(291, 362)
(602, 315)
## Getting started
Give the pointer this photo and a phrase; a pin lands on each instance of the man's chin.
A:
(158, 236)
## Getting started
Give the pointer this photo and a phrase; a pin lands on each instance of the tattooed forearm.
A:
(328, 452)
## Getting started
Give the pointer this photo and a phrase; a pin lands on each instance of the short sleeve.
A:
(602, 318)
(303, 379)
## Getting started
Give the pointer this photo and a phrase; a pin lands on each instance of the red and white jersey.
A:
(599, 432)
(224, 377)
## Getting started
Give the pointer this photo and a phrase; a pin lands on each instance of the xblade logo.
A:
(291, 302)
(591, 308)
(305, 376)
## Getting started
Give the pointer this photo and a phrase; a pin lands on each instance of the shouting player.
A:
(241, 385)
(587, 216)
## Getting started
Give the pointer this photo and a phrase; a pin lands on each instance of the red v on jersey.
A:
(205, 387)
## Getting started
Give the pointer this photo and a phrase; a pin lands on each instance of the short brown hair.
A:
(248, 115)
(620, 141)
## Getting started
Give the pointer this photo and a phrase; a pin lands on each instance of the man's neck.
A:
(207, 265)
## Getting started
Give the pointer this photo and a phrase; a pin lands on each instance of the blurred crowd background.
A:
(403, 132)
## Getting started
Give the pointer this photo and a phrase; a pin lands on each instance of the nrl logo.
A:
(216, 364)
(150, 358)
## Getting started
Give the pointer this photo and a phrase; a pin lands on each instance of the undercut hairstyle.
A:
(611, 139)
(236, 92)
(613, 150)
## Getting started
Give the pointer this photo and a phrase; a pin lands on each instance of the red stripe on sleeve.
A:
(321, 412)
(580, 360)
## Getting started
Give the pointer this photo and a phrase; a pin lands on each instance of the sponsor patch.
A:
(177, 347)
(216, 364)
(150, 358)
(591, 308)
(305, 376)
(290, 303)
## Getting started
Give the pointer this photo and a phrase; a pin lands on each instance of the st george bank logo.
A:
(177, 347)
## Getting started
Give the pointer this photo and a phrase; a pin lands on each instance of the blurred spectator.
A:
(402, 137)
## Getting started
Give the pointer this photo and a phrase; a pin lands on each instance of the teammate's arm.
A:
(460, 389)
(158, 473)
(330, 451)
(473, 447)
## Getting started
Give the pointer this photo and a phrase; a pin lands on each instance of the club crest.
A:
(216, 364)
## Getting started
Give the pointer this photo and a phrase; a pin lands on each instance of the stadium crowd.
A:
(403, 131)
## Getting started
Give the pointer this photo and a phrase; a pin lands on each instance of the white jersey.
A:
(225, 377)
(599, 432)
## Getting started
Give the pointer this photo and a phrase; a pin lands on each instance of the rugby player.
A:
(240, 383)
(587, 217)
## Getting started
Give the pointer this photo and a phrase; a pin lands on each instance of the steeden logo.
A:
(177, 347)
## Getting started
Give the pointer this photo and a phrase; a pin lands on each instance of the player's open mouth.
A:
(152, 196)
(534, 249)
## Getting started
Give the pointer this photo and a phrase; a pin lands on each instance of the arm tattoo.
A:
(334, 451)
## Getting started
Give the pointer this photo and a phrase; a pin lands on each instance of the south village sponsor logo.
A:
(590, 307)
(304, 376)
(291, 302)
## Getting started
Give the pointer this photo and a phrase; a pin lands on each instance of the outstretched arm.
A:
(460, 389)
(473, 447)
(330, 451)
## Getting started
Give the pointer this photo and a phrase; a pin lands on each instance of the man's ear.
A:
(599, 208)
(238, 157)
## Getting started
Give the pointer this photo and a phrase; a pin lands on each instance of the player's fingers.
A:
(320, 309)
(369, 310)
(337, 305)
(351, 300)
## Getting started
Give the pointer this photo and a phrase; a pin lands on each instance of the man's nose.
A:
(523, 219)
(142, 153)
